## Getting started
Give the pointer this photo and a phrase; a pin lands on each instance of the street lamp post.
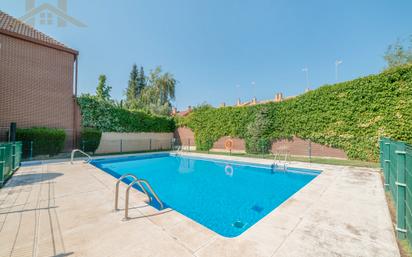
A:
(337, 63)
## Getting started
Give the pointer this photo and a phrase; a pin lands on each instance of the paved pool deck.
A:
(61, 210)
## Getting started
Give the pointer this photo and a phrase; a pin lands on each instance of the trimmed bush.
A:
(351, 115)
(46, 141)
(108, 117)
(90, 139)
(257, 141)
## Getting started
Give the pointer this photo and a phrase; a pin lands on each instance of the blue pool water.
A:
(227, 197)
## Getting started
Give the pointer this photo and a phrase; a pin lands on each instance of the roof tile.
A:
(13, 25)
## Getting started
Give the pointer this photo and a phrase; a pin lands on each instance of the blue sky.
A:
(216, 49)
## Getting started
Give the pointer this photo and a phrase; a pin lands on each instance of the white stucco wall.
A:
(113, 142)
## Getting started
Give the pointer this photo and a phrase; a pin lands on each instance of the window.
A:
(46, 18)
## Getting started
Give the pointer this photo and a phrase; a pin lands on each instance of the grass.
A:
(405, 248)
(403, 244)
(318, 160)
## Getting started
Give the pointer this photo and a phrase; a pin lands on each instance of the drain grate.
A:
(238, 224)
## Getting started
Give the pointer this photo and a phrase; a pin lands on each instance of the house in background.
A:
(47, 14)
(38, 80)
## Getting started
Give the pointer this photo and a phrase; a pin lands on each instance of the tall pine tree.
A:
(133, 91)
(141, 81)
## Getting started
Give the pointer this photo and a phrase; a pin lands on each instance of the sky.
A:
(220, 51)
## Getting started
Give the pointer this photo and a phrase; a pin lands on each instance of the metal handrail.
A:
(139, 181)
(153, 192)
(277, 162)
(179, 148)
(80, 151)
(135, 179)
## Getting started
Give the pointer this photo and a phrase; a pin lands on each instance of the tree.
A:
(157, 95)
(141, 82)
(257, 133)
(165, 85)
(103, 90)
(133, 91)
(398, 54)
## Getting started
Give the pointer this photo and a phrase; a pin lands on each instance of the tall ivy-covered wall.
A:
(351, 115)
(108, 117)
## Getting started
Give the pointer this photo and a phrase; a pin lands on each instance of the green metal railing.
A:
(396, 163)
(10, 158)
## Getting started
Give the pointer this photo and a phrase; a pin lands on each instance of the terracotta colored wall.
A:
(238, 144)
(297, 146)
(36, 86)
(184, 136)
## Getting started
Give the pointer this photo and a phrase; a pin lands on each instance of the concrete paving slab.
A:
(59, 209)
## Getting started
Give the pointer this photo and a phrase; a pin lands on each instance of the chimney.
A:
(174, 111)
(278, 97)
(238, 102)
(189, 108)
(223, 104)
(254, 101)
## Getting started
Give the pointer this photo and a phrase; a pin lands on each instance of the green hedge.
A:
(351, 115)
(90, 139)
(45, 141)
(108, 117)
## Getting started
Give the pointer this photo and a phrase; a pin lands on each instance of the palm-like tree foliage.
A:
(156, 97)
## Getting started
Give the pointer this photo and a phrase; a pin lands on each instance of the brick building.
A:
(38, 80)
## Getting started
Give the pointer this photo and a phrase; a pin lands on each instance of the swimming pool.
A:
(225, 196)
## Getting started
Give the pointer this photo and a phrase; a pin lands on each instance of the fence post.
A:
(150, 144)
(2, 163)
(31, 151)
(13, 156)
(381, 152)
(387, 165)
(310, 151)
(121, 145)
(401, 192)
(188, 143)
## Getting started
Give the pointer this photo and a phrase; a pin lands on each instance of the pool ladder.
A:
(277, 163)
(89, 158)
(179, 150)
(140, 183)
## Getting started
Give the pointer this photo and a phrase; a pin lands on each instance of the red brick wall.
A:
(36, 86)
(184, 136)
(295, 146)
(238, 144)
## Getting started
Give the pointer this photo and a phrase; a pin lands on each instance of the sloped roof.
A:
(14, 27)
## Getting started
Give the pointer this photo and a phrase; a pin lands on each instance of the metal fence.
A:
(46, 150)
(10, 158)
(396, 163)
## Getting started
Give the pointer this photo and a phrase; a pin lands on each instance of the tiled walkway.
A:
(67, 210)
